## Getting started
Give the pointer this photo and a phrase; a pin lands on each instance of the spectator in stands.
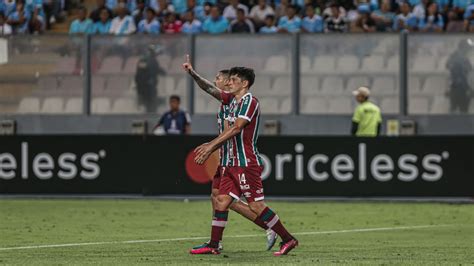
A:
(5, 29)
(8, 7)
(52, 11)
(419, 11)
(215, 24)
(192, 25)
(180, 6)
(162, 8)
(311, 22)
(336, 21)
(175, 121)
(230, 12)
(198, 11)
(146, 79)
(433, 21)
(269, 25)
(281, 9)
(111, 4)
(459, 67)
(459, 7)
(19, 19)
(139, 13)
(384, 17)
(259, 12)
(367, 119)
(289, 23)
(103, 25)
(37, 22)
(207, 12)
(82, 25)
(149, 25)
(172, 24)
(453, 23)
(405, 20)
(364, 22)
(96, 13)
(122, 24)
(241, 24)
(469, 18)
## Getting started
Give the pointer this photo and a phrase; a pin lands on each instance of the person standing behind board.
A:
(459, 67)
(175, 121)
(367, 119)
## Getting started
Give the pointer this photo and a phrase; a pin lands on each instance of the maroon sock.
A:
(260, 223)
(218, 225)
(273, 222)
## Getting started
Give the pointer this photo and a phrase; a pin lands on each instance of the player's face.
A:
(235, 84)
(221, 82)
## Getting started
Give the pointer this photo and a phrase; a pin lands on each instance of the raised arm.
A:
(203, 83)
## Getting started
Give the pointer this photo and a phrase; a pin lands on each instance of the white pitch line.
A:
(360, 230)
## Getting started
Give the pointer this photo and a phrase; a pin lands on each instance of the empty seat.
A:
(285, 106)
(435, 85)
(176, 66)
(418, 105)
(282, 86)
(111, 65)
(71, 83)
(314, 106)
(393, 63)
(131, 65)
(276, 64)
(164, 60)
(202, 105)
(355, 82)
(414, 85)
(181, 88)
(52, 105)
(65, 65)
(269, 105)
(166, 86)
(389, 105)
(384, 86)
(126, 106)
(98, 84)
(100, 105)
(73, 105)
(324, 64)
(424, 63)
(348, 63)
(442, 63)
(117, 85)
(340, 105)
(440, 105)
(373, 63)
(309, 86)
(332, 85)
(29, 105)
(48, 83)
(261, 86)
(206, 65)
(305, 64)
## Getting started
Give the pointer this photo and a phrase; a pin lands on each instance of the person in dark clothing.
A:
(175, 121)
(241, 24)
(459, 67)
(95, 14)
(146, 79)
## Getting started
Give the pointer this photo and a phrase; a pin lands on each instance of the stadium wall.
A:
(294, 166)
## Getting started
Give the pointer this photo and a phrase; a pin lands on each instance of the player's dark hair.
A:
(175, 97)
(244, 73)
(225, 72)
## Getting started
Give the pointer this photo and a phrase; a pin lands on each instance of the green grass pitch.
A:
(330, 233)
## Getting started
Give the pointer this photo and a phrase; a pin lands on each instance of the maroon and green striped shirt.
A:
(222, 116)
(243, 147)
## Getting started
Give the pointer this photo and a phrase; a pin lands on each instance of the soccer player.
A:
(244, 176)
(221, 82)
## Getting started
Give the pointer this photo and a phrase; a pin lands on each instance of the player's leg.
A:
(252, 189)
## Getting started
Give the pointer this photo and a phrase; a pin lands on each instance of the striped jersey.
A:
(243, 147)
(221, 118)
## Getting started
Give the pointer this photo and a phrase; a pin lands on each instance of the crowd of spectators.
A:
(122, 17)
(29, 16)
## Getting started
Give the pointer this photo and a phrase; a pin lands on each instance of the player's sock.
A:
(218, 225)
(260, 223)
(273, 222)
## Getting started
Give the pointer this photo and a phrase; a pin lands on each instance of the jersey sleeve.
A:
(226, 97)
(357, 115)
(248, 107)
